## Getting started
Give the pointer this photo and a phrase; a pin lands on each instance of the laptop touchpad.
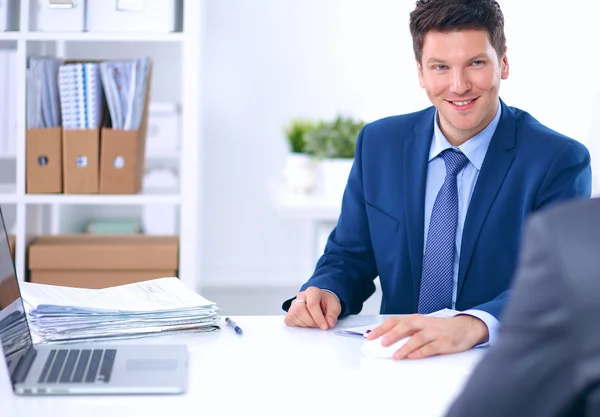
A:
(151, 365)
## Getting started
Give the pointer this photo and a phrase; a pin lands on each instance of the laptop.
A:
(79, 368)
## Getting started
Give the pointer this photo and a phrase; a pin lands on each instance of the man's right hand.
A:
(314, 307)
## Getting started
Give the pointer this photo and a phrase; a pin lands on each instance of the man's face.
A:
(461, 73)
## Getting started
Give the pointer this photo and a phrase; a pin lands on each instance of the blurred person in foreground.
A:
(547, 358)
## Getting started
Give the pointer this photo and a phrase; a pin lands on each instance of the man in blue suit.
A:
(436, 199)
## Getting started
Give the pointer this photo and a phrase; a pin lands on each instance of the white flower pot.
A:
(334, 174)
(300, 173)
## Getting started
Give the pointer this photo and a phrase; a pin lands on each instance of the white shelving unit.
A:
(40, 213)
(88, 36)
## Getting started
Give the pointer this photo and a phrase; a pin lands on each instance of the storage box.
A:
(115, 227)
(80, 160)
(9, 290)
(123, 155)
(99, 261)
(163, 129)
(133, 16)
(44, 160)
(58, 15)
(122, 161)
(11, 245)
(9, 15)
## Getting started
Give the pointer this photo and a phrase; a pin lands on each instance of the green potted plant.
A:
(333, 144)
(334, 139)
(300, 170)
(296, 131)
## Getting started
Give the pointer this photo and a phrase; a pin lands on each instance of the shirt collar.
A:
(474, 149)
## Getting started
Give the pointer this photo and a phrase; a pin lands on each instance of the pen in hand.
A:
(235, 326)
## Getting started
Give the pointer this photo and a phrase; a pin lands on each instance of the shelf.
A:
(8, 197)
(10, 36)
(8, 194)
(93, 36)
(146, 197)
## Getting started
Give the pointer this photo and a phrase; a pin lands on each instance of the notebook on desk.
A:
(79, 368)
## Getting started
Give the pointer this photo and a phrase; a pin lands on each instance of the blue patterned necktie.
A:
(438, 261)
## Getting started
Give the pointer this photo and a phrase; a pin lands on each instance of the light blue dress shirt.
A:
(475, 150)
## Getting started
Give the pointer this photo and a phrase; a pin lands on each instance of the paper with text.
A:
(162, 294)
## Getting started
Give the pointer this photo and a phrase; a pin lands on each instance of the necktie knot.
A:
(455, 161)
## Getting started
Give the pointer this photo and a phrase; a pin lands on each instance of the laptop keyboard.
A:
(78, 366)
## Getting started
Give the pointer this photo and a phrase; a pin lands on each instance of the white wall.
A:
(266, 61)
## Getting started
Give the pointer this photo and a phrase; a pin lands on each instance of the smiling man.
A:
(436, 199)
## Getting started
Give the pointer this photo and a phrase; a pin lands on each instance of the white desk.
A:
(274, 370)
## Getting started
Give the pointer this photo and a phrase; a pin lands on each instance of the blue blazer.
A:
(380, 230)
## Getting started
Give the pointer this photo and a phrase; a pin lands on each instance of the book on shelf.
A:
(154, 307)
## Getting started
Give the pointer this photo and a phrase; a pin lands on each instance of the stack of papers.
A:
(125, 84)
(158, 306)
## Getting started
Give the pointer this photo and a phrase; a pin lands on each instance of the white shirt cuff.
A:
(490, 321)
(338, 298)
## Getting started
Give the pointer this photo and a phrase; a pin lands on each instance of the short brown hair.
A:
(451, 15)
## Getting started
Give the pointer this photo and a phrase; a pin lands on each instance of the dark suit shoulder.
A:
(529, 129)
(570, 217)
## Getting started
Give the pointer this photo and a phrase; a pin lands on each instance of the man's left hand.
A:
(431, 336)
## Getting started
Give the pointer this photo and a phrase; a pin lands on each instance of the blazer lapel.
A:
(416, 160)
(497, 162)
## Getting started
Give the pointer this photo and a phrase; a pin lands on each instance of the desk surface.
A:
(276, 370)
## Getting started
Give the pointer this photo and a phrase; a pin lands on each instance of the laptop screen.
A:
(14, 330)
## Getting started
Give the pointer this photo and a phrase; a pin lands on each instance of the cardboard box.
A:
(95, 279)
(11, 245)
(81, 149)
(123, 155)
(99, 261)
(9, 290)
(122, 161)
(44, 161)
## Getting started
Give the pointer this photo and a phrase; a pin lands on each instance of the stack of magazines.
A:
(159, 306)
